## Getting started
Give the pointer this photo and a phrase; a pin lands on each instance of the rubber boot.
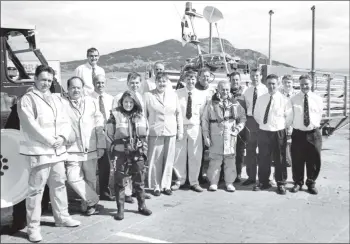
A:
(120, 199)
(141, 203)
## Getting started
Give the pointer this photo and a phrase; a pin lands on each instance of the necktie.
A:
(306, 111)
(93, 73)
(189, 106)
(102, 107)
(267, 110)
(255, 96)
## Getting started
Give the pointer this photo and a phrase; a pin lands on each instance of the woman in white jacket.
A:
(162, 109)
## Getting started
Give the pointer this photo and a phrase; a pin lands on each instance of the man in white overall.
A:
(45, 130)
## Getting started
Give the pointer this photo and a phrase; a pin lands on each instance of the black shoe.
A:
(295, 188)
(197, 188)
(119, 215)
(91, 210)
(156, 193)
(107, 198)
(167, 192)
(12, 229)
(312, 190)
(266, 186)
(129, 199)
(261, 187)
(281, 190)
(238, 179)
(256, 187)
(248, 182)
(145, 211)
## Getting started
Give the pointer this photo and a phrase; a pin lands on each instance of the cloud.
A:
(66, 29)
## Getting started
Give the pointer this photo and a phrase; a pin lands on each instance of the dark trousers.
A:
(20, 211)
(306, 149)
(272, 143)
(251, 159)
(104, 170)
(122, 171)
(204, 164)
(240, 146)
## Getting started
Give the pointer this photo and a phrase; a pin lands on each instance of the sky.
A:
(65, 30)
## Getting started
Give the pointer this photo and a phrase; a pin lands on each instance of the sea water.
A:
(116, 81)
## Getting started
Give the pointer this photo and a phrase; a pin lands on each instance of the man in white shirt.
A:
(133, 83)
(90, 69)
(273, 113)
(149, 83)
(288, 90)
(306, 137)
(250, 96)
(192, 103)
(105, 105)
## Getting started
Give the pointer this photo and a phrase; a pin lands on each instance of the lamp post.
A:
(270, 13)
(313, 49)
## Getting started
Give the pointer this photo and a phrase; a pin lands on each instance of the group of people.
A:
(154, 135)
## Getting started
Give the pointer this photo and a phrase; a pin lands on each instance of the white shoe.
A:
(176, 186)
(35, 236)
(69, 223)
(230, 188)
(213, 187)
(273, 182)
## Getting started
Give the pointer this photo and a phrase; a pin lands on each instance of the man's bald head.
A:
(99, 78)
(224, 88)
(158, 68)
(99, 83)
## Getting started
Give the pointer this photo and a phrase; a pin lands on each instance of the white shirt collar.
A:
(103, 94)
(258, 86)
(89, 65)
(192, 91)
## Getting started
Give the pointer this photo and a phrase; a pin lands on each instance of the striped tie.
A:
(189, 106)
(267, 110)
(93, 72)
(255, 96)
(102, 107)
(306, 111)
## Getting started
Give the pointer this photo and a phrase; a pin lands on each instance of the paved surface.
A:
(243, 216)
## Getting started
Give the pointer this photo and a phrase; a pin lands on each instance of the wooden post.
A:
(345, 95)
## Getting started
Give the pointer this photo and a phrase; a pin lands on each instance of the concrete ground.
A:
(242, 216)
